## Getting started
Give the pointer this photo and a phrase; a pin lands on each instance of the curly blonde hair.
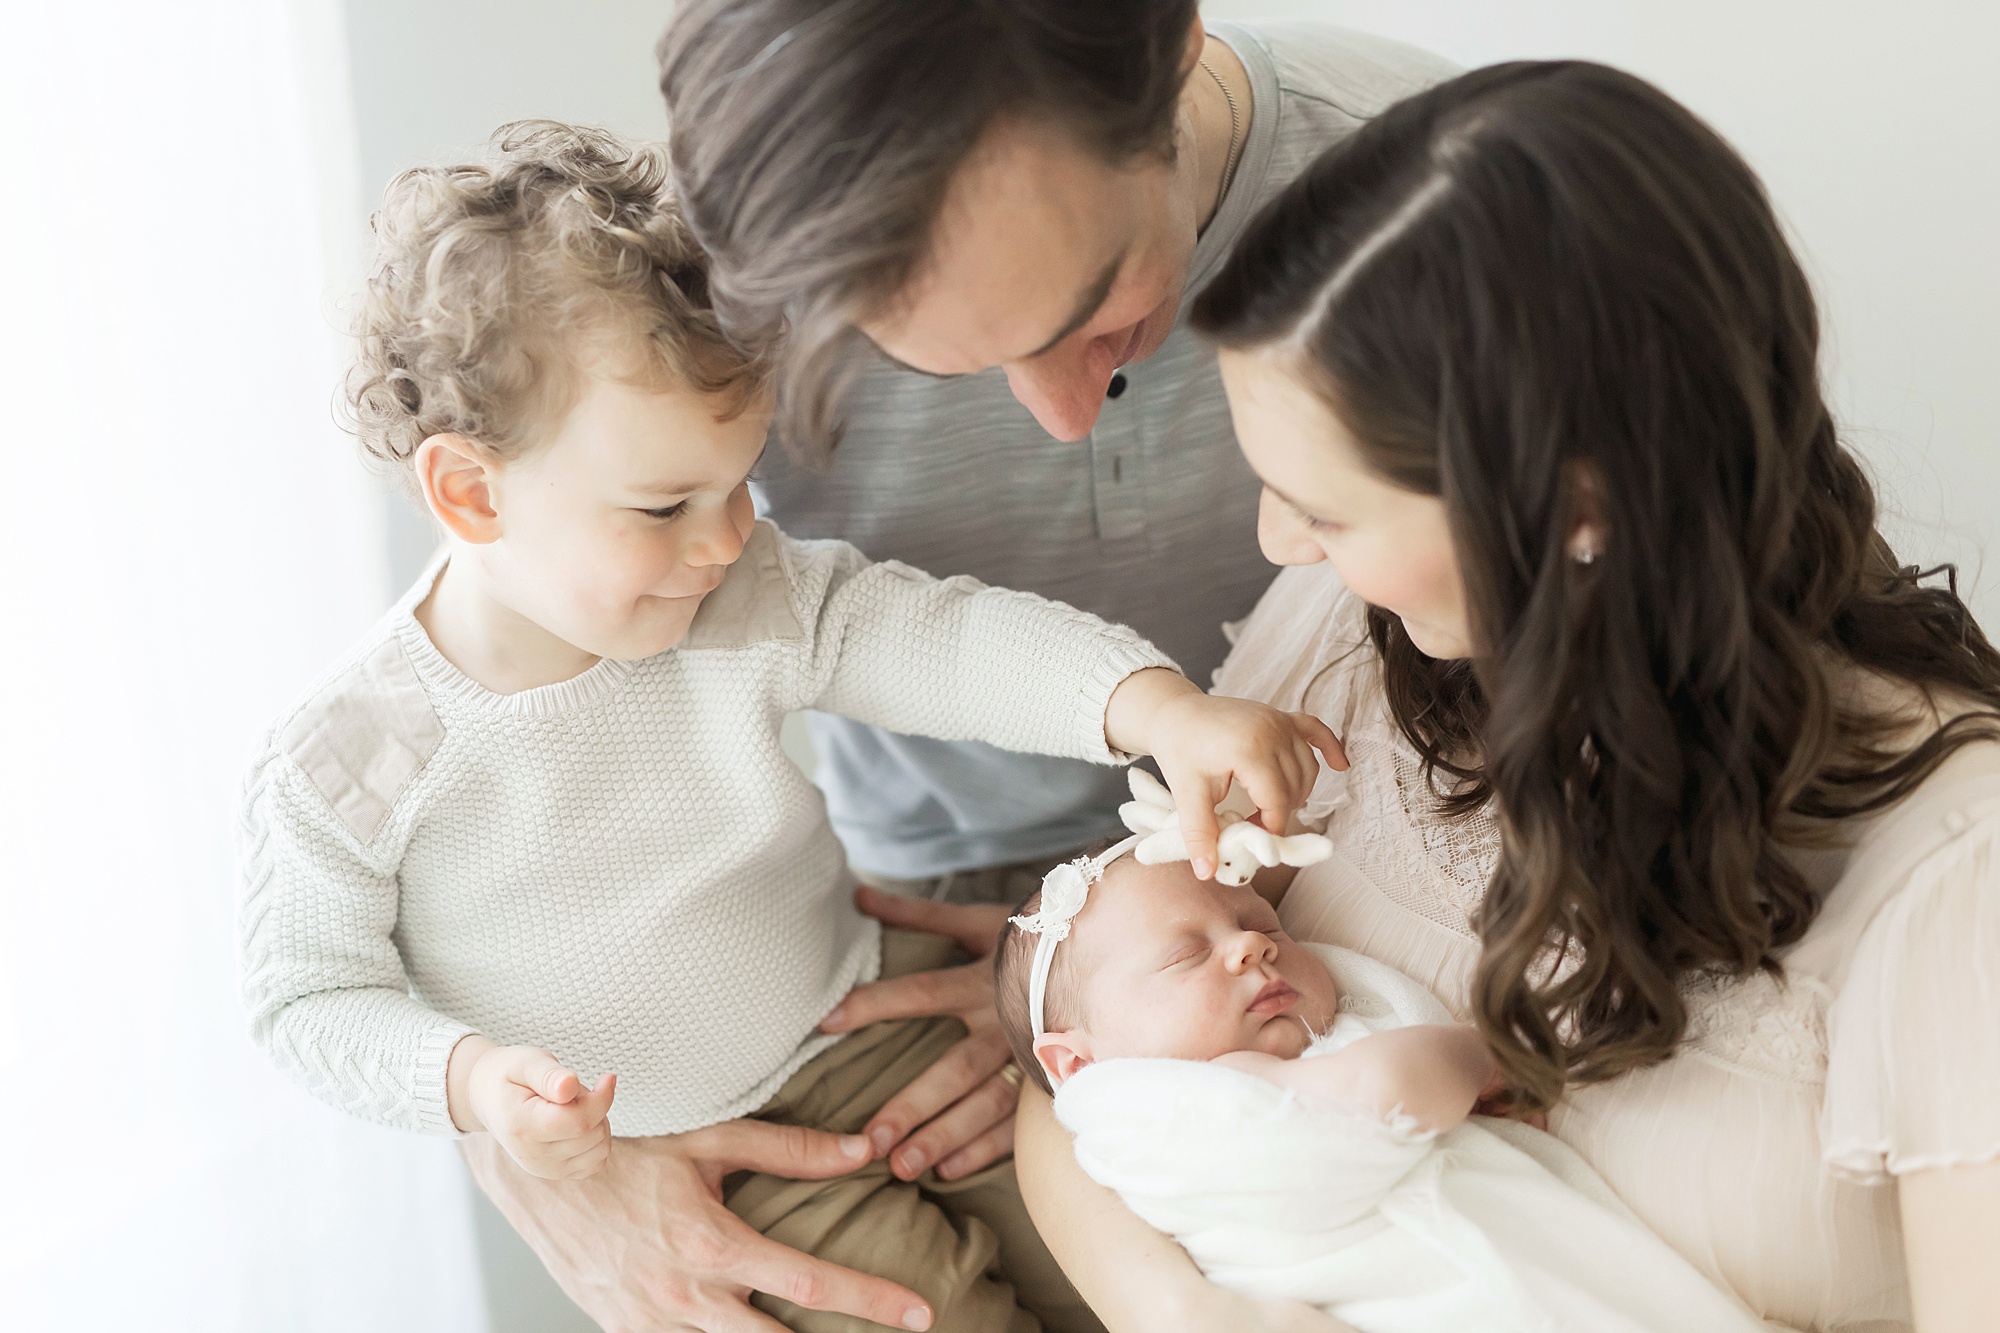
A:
(495, 283)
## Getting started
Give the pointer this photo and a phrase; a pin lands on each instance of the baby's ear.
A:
(1061, 1054)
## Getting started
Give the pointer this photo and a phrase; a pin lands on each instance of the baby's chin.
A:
(1284, 1036)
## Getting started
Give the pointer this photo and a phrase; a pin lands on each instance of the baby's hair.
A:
(1062, 1002)
(495, 283)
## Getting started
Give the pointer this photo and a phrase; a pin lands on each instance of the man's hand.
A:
(646, 1245)
(959, 1113)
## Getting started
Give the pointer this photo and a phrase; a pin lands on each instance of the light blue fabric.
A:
(1150, 522)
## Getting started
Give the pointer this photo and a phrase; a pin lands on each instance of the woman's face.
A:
(1321, 502)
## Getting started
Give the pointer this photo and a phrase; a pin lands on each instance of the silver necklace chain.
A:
(1235, 132)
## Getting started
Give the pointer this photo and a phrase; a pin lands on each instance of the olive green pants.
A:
(966, 1245)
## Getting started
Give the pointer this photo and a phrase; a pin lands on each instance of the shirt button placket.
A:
(1114, 456)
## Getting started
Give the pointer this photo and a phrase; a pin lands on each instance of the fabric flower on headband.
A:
(1242, 849)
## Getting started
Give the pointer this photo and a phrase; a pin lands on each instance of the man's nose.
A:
(1064, 388)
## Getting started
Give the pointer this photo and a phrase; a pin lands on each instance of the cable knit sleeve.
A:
(956, 660)
(328, 997)
(1913, 1076)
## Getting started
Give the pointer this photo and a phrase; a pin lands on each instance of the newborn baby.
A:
(1300, 1119)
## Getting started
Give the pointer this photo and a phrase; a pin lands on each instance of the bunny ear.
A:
(1143, 818)
(1304, 849)
(1147, 789)
(1159, 848)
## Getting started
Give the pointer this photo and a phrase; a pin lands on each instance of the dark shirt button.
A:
(1117, 384)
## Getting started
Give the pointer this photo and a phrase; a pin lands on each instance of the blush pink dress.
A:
(1766, 1151)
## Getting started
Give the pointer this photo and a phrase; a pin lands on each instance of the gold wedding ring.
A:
(1011, 1072)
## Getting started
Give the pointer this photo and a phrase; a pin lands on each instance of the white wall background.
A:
(1876, 127)
(185, 541)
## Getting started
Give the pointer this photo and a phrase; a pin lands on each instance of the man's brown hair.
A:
(814, 140)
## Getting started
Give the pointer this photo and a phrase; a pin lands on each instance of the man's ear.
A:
(1061, 1054)
(456, 477)
(1197, 43)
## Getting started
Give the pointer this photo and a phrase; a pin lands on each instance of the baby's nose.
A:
(1250, 948)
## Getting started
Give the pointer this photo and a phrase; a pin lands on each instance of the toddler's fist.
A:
(541, 1113)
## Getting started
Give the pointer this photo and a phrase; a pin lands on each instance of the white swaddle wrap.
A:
(1493, 1226)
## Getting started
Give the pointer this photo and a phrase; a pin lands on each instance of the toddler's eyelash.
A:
(671, 511)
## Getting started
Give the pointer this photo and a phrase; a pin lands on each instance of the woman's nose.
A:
(1283, 536)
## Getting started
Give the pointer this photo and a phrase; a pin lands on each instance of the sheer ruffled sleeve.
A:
(1913, 1071)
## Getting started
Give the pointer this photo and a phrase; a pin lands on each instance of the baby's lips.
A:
(1276, 997)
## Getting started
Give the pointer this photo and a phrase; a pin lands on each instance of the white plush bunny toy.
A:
(1243, 848)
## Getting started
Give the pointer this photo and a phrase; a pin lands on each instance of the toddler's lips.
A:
(1275, 998)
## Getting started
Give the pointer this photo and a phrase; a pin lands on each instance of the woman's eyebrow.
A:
(1087, 305)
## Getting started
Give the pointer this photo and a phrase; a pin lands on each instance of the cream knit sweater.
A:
(623, 868)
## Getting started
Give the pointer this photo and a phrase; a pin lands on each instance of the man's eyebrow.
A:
(1087, 306)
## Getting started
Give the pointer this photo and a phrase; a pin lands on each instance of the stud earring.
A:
(1586, 555)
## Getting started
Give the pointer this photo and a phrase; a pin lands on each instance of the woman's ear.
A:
(1589, 526)
(1061, 1054)
(456, 477)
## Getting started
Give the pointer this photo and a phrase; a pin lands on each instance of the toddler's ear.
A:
(1061, 1054)
(456, 477)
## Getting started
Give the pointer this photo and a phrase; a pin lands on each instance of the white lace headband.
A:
(1242, 849)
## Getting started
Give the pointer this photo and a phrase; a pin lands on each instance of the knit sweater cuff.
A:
(1127, 655)
(428, 1096)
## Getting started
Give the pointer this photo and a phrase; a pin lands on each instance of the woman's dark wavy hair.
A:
(1544, 277)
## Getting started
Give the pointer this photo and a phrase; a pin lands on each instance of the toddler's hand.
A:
(541, 1113)
(1202, 742)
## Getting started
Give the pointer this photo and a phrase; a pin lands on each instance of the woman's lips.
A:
(1275, 998)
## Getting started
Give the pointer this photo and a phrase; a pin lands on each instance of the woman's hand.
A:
(1202, 742)
(646, 1245)
(959, 1113)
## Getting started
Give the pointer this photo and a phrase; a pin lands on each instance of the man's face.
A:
(1050, 264)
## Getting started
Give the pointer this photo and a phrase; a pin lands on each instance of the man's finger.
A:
(959, 1071)
(950, 990)
(981, 1153)
(791, 1151)
(733, 1314)
(975, 926)
(1321, 736)
(958, 1125)
(777, 1270)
